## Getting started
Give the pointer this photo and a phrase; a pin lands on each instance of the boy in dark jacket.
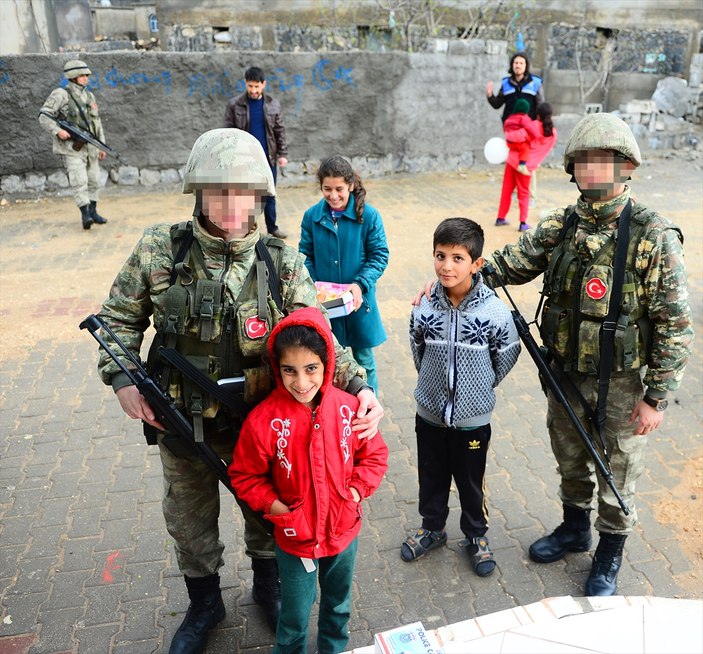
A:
(464, 342)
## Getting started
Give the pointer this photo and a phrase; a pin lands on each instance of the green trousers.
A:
(298, 591)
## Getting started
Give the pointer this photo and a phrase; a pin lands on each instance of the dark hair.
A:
(300, 336)
(527, 63)
(254, 74)
(460, 231)
(338, 166)
(544, 113)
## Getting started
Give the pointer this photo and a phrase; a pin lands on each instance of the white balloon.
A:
(496, 150)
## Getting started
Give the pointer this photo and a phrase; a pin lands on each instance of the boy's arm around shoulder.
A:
(249, 471)
(417, 333)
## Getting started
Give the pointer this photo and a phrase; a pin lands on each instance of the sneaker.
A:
(277, 233)
(523, 170)
(502, 221)
(524, 227)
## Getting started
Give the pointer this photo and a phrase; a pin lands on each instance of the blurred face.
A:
(230, 211)
(255, 89)
(302, 372)
(455, 268)
(519, 67)
(336, 192)
(601, 174)
(82, 80)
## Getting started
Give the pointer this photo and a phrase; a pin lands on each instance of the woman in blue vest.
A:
(520, 84)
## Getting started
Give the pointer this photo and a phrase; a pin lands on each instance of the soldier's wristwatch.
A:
(658, 404)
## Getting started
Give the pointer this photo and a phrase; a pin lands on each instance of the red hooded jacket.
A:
(308, 465)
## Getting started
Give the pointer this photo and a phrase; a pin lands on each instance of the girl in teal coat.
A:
(343, 241)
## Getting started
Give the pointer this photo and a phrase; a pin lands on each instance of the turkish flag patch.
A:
(596, 289)
(255, 328)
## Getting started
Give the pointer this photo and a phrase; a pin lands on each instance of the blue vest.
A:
(531, 88)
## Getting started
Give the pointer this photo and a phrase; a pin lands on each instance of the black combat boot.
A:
(86, 218)
(205, 611)
(572, 535)
(606, 565)
(97, 218)
(266, 589)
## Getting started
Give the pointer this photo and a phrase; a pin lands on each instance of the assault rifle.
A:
(162, 403)
(81, 136)
(547, 374)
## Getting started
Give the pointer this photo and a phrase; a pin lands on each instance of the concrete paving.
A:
(86, 565)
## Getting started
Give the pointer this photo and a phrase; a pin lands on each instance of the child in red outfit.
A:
(298, 461)
(520, 133)
(512, 178)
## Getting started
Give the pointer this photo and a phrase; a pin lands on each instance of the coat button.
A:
(316, 426)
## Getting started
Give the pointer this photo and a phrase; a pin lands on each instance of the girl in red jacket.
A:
(539, 149)
(298, 462)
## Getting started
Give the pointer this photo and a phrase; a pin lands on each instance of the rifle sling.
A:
(273, 277)
(610, 323)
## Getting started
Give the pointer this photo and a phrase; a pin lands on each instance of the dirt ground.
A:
(53, 273)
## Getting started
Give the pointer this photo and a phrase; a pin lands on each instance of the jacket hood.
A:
(309, 317)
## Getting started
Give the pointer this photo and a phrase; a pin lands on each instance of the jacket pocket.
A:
(349, 514)
(291, 526)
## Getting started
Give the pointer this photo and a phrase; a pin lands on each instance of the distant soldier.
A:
(576, 249)
(77, 105)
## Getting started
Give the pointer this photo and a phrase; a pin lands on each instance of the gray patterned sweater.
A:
(461, 355)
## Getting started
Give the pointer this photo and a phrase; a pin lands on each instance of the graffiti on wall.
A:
(322, 76)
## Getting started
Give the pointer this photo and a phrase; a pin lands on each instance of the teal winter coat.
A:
(350, 252)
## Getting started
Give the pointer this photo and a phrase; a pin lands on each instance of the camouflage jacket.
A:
(659, 267)
(138, 292)
(61, 105)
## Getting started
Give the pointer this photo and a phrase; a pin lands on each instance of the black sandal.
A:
(421, 542)
(480, 555)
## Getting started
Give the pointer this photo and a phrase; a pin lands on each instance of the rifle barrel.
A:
(163, 405)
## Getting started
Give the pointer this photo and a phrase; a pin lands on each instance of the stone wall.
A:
(391, 113)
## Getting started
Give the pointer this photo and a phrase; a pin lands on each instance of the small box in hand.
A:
(336, 298)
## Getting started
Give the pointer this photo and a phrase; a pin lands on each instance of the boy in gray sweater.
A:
(463, 342)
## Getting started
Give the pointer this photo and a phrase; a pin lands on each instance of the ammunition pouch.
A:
(78, 144)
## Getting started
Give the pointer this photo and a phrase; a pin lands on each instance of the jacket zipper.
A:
(451, 368)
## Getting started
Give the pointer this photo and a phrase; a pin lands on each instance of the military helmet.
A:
(601, 131)
(228, 157)
(75, 68)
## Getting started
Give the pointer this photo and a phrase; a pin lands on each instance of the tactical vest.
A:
(86, 119)
(224, 338)
(577, 296)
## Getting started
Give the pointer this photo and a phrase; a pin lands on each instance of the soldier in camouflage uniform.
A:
(77, 105)
(652, 340)
(206, 302)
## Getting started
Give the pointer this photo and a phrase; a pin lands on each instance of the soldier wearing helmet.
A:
(575, 248)
(76, 104)
(204, 284)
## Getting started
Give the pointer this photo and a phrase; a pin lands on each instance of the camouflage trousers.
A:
(191, 507)
(83, 174)
(625, 450)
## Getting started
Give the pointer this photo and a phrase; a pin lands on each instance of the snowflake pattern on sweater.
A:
(461, 354)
